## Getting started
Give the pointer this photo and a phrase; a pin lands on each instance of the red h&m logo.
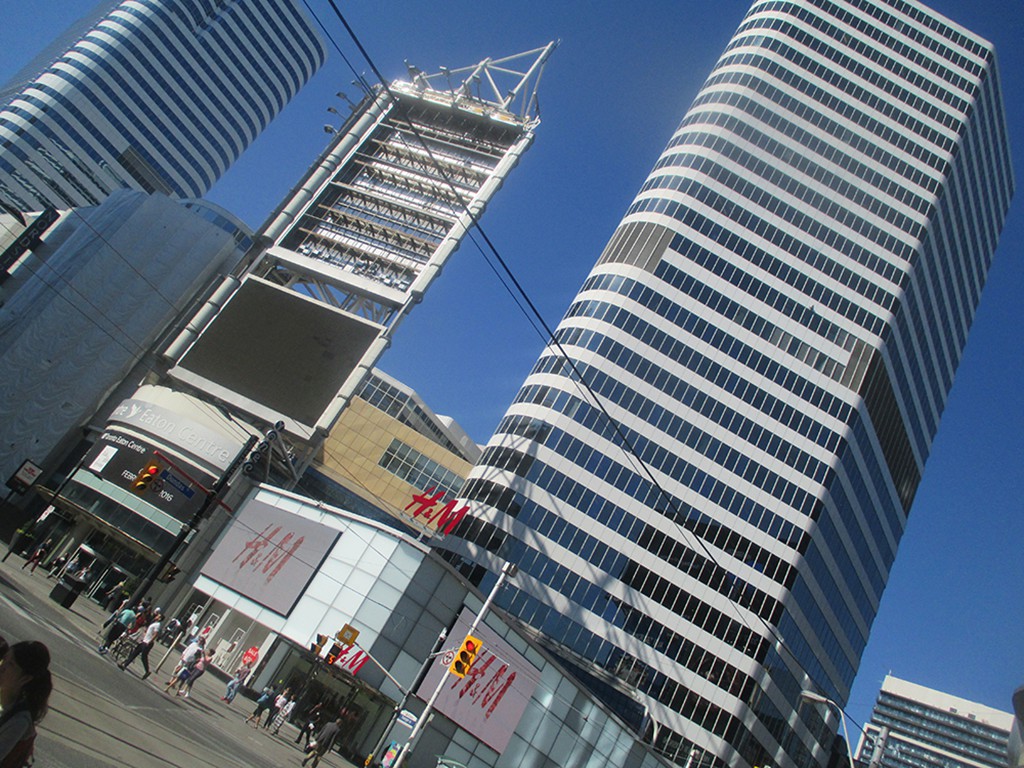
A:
(486, 683)
(444, 519)
(262, 554)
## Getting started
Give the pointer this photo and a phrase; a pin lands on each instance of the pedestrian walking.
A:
(37, 555)
(114, 596)
(263, 703)
(275, 707)
(188, 657)
(146, 645)
(194, 672)
(323, 742)
(25, 686)
(312, 722)
(233, 685)
(283, 713)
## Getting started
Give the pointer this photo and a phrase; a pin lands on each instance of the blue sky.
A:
(610, 98)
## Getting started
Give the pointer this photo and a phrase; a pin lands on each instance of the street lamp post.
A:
(508, 570)
(819, 699)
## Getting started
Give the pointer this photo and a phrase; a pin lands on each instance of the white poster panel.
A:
(490, 700)
(270, 555)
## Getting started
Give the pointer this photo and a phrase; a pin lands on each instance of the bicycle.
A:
(122, 647)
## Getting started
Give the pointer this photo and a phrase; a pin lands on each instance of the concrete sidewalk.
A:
(100, 716)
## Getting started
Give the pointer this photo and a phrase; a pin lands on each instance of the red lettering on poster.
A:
(261, 554)
(483, 686)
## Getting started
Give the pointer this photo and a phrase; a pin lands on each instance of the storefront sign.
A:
(424, 508)
(118, 458)
(174, 429)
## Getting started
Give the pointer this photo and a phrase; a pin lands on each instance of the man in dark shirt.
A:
(324, 741)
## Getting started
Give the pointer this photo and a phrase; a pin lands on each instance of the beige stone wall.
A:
(352, 453)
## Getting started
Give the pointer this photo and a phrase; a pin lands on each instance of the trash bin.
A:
(66, 591)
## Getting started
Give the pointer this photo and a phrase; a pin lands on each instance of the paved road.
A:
(100, 716)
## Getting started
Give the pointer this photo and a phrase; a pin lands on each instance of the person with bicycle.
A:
(145, 645)
(125, 619)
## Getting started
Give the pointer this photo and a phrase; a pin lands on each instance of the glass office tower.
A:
(154, 95)
(705, 526)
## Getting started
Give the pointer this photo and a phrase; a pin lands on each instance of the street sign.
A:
(25, 477)
(176, 482)
(406, 718)
(347, 635)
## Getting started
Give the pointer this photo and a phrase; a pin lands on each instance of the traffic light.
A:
(332, 654)
(146, 478)
(465, 656)
(318, 645)
(167, 574)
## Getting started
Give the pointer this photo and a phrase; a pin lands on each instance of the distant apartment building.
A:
(914, 727)
(391, 454)
(154, 95)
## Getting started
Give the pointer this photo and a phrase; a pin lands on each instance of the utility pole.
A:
(507, 571)
(212, 497)
(375, 754)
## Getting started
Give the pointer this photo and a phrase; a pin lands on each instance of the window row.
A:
(836, 208)
(680, 429)
(766, 295)
(838, 74)
(696, 363)
(833, 131)
(885, 41)
(422, 473)
(860, 184)
(881, 61)
(781, 269)
(928, 19)
(813, 144)
(793, 245)
(651, 682)
(614, 517)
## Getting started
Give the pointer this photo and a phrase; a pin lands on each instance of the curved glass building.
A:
(156, 95)
(704, 526)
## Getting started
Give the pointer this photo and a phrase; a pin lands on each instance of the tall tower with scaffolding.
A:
(354, 246)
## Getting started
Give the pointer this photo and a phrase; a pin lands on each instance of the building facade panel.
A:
(153, 95)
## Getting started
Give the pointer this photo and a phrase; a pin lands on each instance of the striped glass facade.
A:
(157, 95)
(773, 329)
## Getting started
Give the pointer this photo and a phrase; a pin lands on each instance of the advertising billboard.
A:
(490, 700)
(270, 555)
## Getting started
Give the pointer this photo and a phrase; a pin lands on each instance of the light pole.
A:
(507, 571)
(819, 699)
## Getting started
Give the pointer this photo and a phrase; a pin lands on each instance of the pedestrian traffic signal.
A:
(146, 478)
(465, 656)
(332, 654)
(318, 645)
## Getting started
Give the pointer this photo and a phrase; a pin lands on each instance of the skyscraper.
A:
(912, 725)
(705, 527)
(151, 95)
